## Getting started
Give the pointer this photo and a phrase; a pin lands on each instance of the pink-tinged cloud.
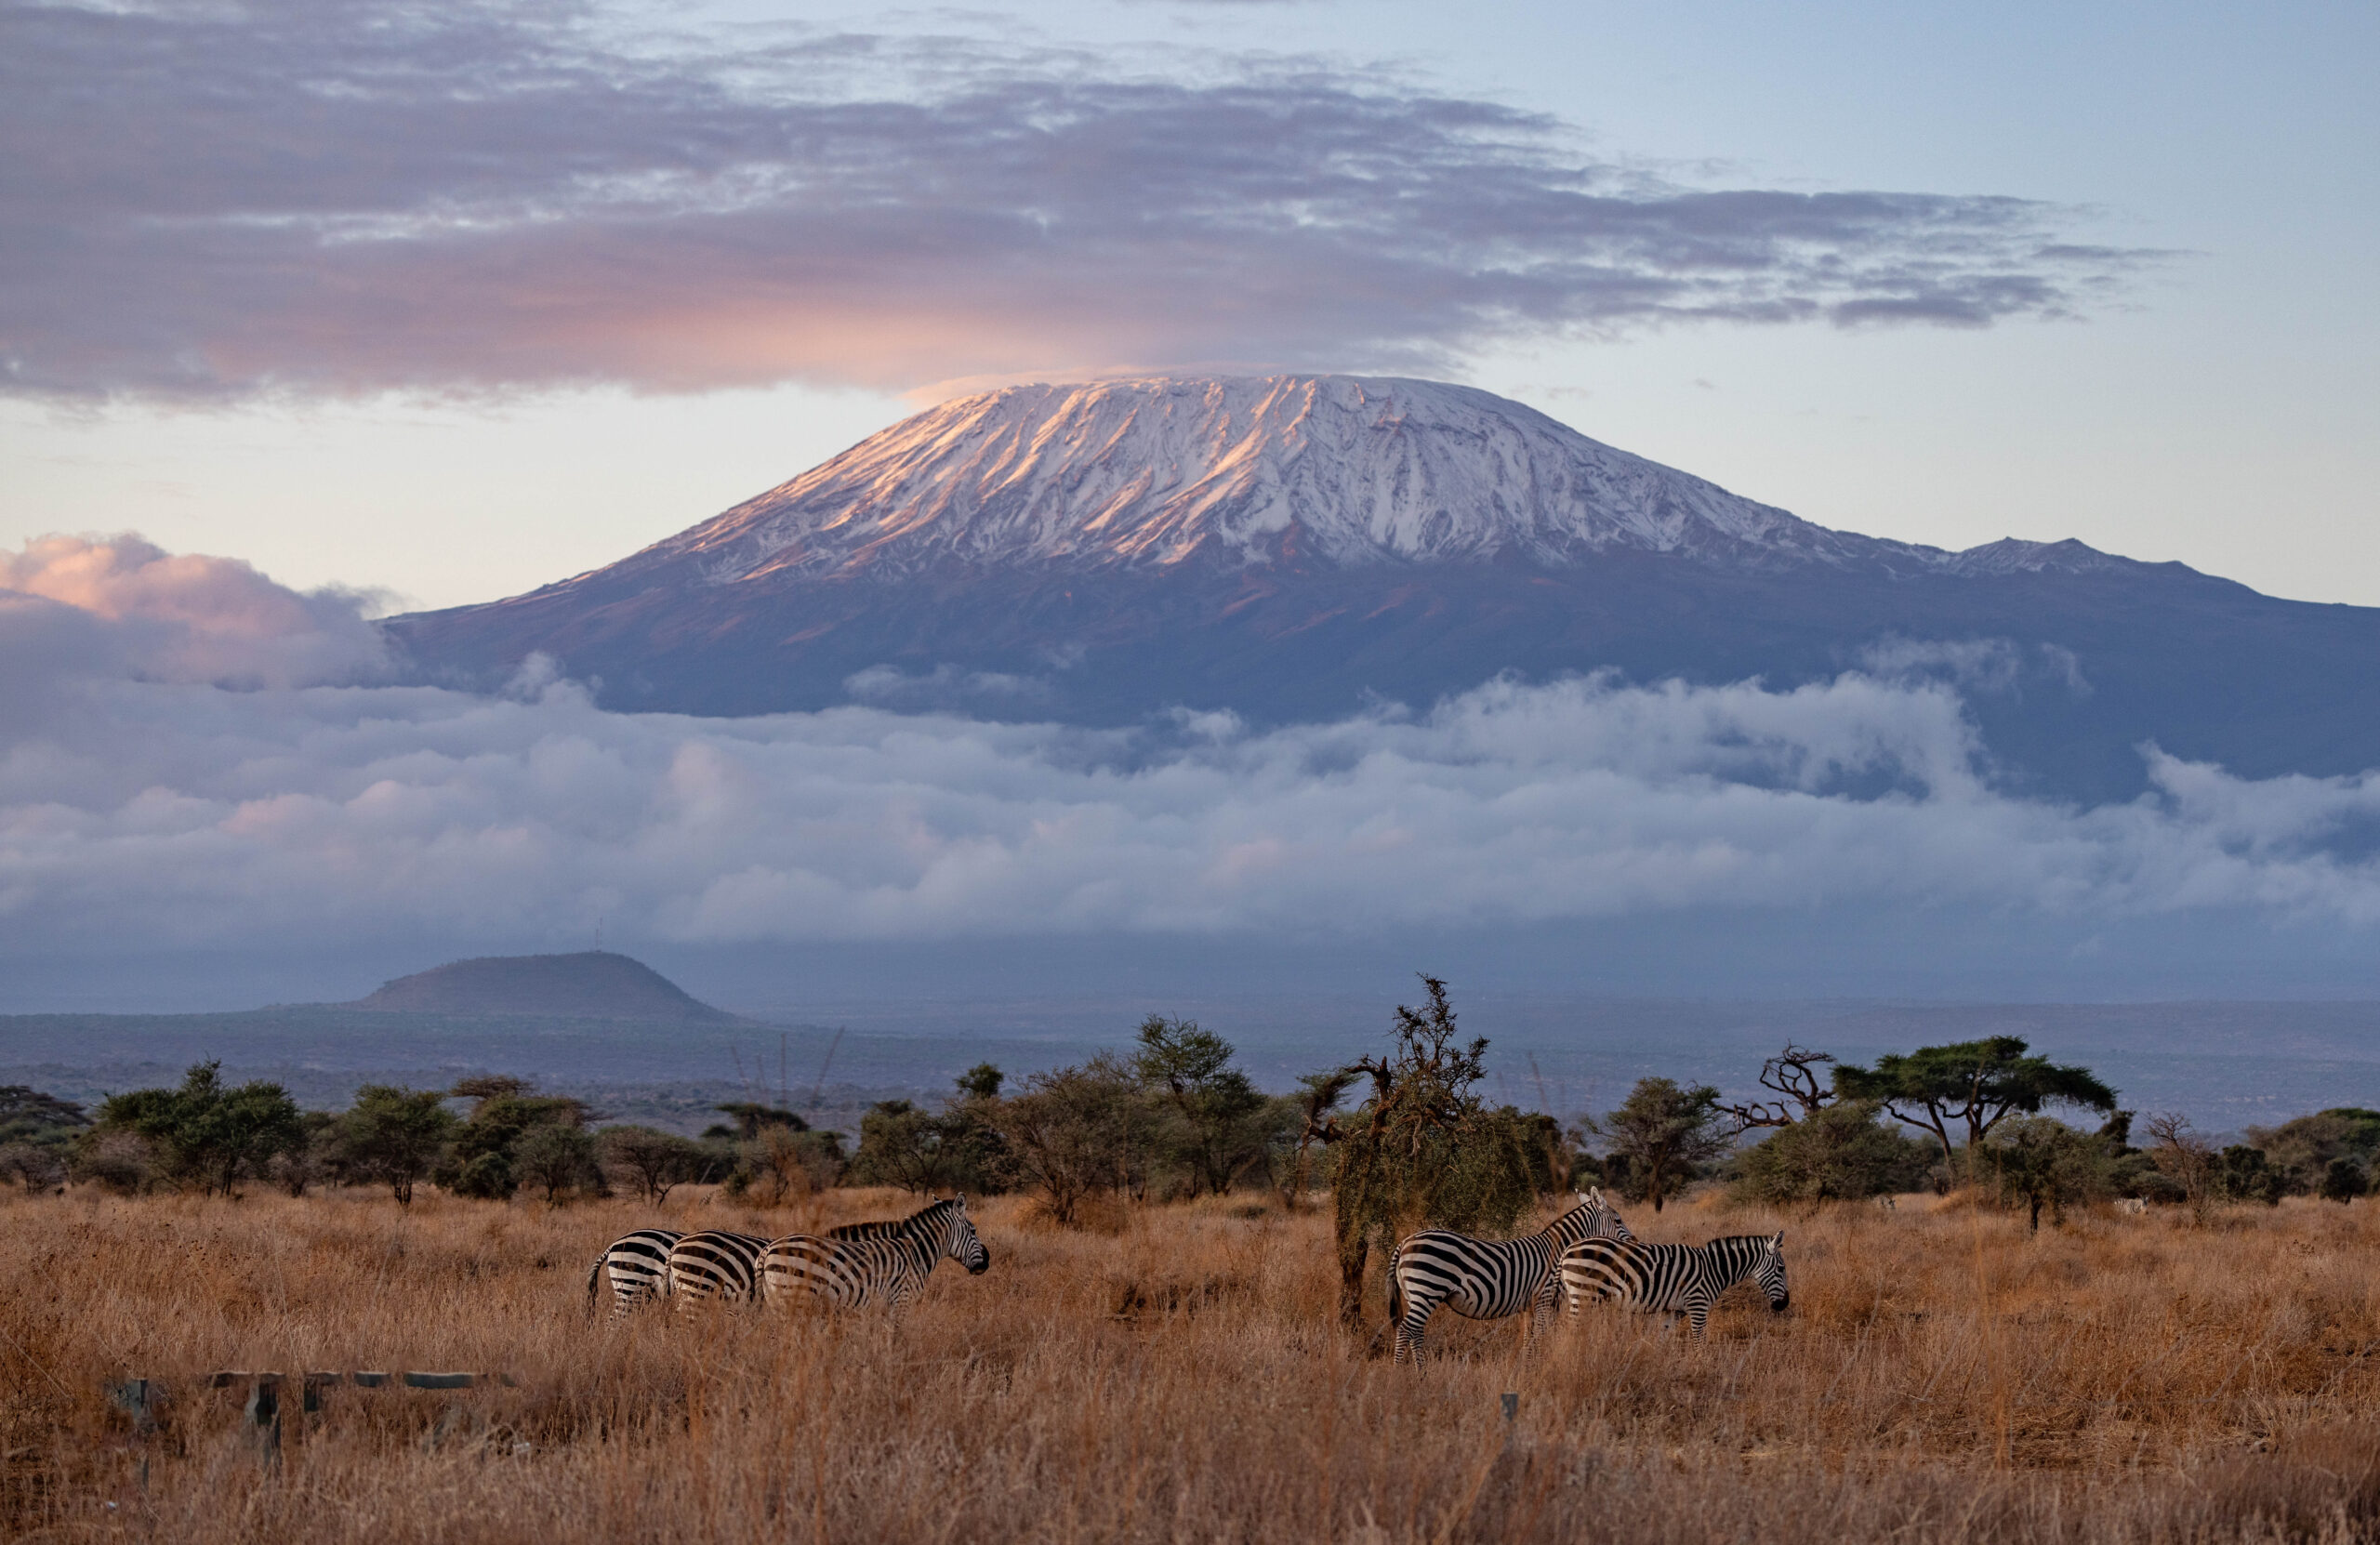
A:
(348, 198)
(120, 605)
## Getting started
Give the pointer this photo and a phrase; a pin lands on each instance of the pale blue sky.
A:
(2218, 409)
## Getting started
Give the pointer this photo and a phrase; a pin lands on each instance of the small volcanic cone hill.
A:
(592, 984)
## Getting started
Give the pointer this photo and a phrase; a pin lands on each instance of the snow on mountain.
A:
(1321, 471)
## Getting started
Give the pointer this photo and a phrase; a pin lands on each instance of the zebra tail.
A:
(594, 1275)
(1395, 1295)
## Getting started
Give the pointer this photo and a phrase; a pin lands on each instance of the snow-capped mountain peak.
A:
(1317, 470)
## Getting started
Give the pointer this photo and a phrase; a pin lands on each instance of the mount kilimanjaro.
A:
(1294, 548)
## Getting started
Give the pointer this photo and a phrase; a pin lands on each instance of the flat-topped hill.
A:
(590, 985)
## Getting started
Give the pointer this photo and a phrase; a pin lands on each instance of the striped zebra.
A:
(638, 1264)
(1674, 1279)
(1486, 1279)
(886, 1262)
(715, 1266)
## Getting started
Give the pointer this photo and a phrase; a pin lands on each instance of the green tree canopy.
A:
(1211, 1133)
(1665, 1133)
(394, 1136)
(210, 1134)
(1976, 1084)
(1081, 1131)
(485, 1160)
(554, 1157)
(1841, 1153)
(44, 1120)
(2036, 1162)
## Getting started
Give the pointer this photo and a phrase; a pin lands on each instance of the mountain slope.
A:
(1292, 547)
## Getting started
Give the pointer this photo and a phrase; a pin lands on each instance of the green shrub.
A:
(1842, 1153)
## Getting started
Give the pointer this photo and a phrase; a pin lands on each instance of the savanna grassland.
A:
(1178, 1376)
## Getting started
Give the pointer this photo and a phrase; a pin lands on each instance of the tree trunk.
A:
(2037, 1215)
(1353, 1255)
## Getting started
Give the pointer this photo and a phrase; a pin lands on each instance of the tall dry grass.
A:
(1941, 1377)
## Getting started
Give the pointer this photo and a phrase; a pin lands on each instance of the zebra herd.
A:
(1588, 1253)
(887, 1262)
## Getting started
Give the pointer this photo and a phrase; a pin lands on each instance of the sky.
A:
(277, 296)
(313, 312)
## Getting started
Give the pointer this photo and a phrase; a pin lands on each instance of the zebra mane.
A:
(886, 1228)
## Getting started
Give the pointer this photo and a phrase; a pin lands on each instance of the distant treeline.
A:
(1397, 1140)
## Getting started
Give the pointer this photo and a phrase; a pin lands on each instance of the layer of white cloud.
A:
(283, 195)
(174, 812)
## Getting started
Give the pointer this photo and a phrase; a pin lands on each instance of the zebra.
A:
(1674, 1279)
(885, 1262)
(640, 1269)
(1486, 1279)
(715, 1266)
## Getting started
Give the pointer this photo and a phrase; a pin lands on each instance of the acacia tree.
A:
(652, 1160)
(395, 1136)
(1080, 1132)
(1212, 1104)
(211, 1134)
(1425, 1149)
(1977, 1084)
(1665, 1132)
(2039, 1162)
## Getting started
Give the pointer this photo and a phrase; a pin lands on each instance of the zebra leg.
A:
(1410, 1327)
(1541, 1317)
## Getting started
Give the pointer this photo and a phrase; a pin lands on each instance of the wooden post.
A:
(264, 1416)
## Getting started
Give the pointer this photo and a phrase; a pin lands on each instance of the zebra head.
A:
(960, 1242)
(1592, 1217)
(1770, 1274)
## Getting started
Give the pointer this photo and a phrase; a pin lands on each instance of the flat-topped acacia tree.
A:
(1977, 1083)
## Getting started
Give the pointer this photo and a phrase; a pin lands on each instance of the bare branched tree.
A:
(2186, 1159)
(1794, 1073)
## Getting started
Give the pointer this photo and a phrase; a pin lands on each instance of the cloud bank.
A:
(213, 200)
(179, 813)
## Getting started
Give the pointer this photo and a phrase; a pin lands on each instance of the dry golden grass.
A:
(1940, 1376)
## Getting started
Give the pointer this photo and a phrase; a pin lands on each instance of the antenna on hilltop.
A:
(820, 1087)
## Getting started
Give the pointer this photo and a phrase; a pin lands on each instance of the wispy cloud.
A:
(205, 201)
(187, 815)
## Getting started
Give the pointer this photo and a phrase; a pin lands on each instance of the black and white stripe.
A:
(1674, 1279)
(1486, 1279)
(715, 1266)
(639, 1266)
(885, 1263)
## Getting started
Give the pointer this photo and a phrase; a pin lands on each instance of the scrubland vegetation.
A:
(2055, 1334)
(1176, 1372)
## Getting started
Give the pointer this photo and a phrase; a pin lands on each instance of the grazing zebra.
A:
(1486, 1279)
(639, 1268)
(715, 1266)
(1674, 1279)
(873, 1262)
